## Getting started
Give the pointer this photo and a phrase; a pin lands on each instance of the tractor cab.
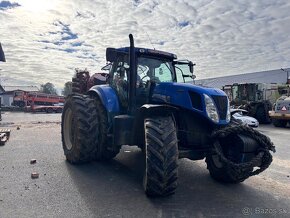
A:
(151, 67)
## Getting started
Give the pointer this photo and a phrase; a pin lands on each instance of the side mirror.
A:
(191, 65)
(2, 56)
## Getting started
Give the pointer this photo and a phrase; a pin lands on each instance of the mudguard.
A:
(108, 97)
(149, 110)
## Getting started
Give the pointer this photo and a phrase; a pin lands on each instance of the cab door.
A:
(119, 80)
(184, 71)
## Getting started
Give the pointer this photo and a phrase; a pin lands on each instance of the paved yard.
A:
(114, 189)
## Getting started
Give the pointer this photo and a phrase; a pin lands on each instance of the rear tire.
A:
(161, 155)
(59, 110)
(49, 110)
(279, 123)
(262, 116)
(103, 146)
(79, 82)
(79, 129)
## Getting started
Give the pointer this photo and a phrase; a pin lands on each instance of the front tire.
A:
(79, 129)
(221, 172)
(161, 155)
(217, 170)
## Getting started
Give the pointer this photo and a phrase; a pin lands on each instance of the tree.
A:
(67, 90)
(48, 88)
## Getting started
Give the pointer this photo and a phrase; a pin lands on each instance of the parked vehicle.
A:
(45, 108)
(281, 113)
(24, 99)
(256, 98)
(241, 115)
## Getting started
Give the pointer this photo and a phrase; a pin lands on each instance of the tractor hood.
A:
(202, 100)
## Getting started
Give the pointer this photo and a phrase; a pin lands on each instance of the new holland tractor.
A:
(142, 104)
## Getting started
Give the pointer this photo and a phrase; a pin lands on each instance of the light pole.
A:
(287, 71)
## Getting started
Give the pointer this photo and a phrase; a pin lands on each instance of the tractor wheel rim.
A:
(68, 129)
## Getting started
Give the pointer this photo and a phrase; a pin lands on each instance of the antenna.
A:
(149, 39)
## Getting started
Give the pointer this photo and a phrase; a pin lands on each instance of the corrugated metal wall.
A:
(272, 76)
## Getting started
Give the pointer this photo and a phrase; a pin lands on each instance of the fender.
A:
(149, 110)
(155, 109)
(108, 98)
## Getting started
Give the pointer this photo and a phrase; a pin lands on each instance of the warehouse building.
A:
(279, 76)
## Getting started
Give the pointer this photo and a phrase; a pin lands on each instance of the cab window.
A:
(164, 72)
(157, 70)
(119, 79)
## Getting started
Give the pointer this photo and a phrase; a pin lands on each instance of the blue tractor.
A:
(141, 103)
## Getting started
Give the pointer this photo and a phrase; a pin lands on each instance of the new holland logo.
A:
(284, 108)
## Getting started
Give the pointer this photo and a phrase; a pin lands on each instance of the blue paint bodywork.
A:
(177, 94)
(108, 97)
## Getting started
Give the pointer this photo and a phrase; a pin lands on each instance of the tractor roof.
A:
(148, 51)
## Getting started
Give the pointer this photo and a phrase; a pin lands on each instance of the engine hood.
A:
(189, 96)
(181, 87)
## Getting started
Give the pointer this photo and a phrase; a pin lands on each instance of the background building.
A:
(272, 76)
(8, 93)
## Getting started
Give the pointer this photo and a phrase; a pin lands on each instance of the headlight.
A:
(228, 118)
(211, 109)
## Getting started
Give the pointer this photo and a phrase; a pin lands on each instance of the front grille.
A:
(221, 103)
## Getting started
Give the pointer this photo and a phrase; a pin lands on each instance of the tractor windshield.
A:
(154, 69)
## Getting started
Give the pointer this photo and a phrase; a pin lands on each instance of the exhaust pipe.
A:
(2, 56)
(132, 75)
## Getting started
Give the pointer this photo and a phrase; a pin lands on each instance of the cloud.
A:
(46, 40)
(4, 5)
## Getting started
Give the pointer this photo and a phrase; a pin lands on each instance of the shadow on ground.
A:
(115, 189)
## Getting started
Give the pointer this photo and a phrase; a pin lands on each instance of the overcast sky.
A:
(44, 40)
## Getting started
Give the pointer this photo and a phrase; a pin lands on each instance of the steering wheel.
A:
(143, 82)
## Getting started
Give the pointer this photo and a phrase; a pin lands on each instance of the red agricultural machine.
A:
(39, 102)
